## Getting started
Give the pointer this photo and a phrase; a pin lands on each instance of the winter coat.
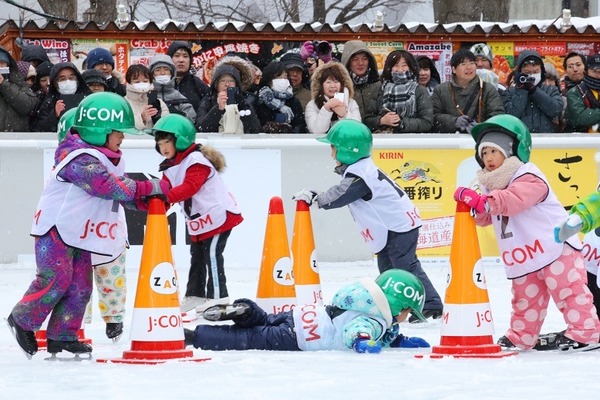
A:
(445, 109)
(583, 109)
(537, 109)
(303, 95)
(114, 83)
(46, 120)
(193, 88)
(366, 92)
(175, 101)
(319, 120)
(138, 102)
(421, 122)
(16, 100)
(209, 114)
(267, 117)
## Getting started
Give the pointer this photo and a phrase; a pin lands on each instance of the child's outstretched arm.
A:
(350, 189)
(585, 216)
(393, 338)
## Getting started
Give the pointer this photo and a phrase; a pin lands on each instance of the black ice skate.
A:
(564, 343)
(25, 339)
(114, 330)
(547, 341)
(506, 343)
(75, 347)
(224, 312)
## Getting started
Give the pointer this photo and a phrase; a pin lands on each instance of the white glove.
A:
(308, 196)
(567, 228)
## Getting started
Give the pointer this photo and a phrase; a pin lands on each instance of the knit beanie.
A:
(23, 67)
(292, 60)
(94, 76)
(498, 140)
(483, 50)
(162, 60)
(99, 55)
(43, 69)
(179, 44)
(4, 57)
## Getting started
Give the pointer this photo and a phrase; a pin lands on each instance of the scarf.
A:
(276, 101)
(360, 80)
(399, 95)
(592, 83)
(499, 178)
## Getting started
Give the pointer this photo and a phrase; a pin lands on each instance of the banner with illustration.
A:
(430, 177)
(504, 59)
(58, 50)
(381, 50)
(118, 48)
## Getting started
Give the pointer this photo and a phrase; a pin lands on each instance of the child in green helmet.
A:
(362, 316)
(76, 217)
(193, 173)
(517, 200)
(109, 271)
(388, 220)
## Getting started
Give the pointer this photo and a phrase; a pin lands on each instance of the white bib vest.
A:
(83, 221)
(315, 330)
(207, 209)
(389, 209)
(525, 240)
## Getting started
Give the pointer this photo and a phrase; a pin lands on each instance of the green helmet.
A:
(101, 113)
(65, 123)
(351, 139)
(178, 125)
(509, 125)
(402, 290)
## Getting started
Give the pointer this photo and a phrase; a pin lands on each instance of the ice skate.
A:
(224, 312)
(506, 343)
(211, 302)
(566, 344)
(190, 302)
(82, 351)
(547, 341)
(25, 339)
(114, 330)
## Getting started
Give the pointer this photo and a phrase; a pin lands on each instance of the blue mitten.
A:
(390, 335)
(364, 344)
(409, 342)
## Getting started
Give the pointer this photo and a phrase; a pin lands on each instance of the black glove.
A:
(462, 123)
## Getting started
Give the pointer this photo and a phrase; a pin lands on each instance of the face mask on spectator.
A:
(67, 87)
(162, 79)
(141, 87)
(282, 86)
(537, 77)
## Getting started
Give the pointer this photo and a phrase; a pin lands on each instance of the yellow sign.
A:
(430, 177)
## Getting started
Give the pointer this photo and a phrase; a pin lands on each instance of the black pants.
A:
(400, 252)
(207, 269)
(595, 290)
(260, 331)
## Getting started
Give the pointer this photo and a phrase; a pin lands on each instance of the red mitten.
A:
(476, 201)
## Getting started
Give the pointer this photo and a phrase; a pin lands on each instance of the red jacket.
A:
(195, 176)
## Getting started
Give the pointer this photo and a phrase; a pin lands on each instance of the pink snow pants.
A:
(565, 281)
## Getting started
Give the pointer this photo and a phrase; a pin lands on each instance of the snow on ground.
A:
(296, 375)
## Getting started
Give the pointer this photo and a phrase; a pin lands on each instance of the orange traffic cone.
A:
(276, 291)
(156, 327)
(467, 324)
(305, 264)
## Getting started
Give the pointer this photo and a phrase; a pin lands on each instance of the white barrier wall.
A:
(259, 167)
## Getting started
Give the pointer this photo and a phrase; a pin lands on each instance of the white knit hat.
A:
(497, 140)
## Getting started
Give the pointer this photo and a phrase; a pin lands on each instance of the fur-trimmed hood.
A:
(244, 68)
(316, 87)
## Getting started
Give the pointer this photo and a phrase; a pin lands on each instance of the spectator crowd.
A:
(307, 90)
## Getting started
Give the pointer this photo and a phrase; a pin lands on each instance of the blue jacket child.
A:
(362, 316)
